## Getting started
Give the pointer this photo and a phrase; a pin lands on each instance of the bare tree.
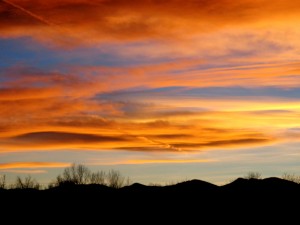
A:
(128, 182)
(98, 178)
(75, 174)
(80, 174)
(53, 183)
(253, 175)
(115, 179)
(291, 177)
(28, 182)
(2, 182)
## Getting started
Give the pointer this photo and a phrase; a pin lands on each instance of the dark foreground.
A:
(271, 198)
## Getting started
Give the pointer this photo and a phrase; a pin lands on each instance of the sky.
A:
(163, 91)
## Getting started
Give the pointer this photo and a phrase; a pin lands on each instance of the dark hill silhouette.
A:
(188, 199)
(140, 188)
(270, 184)
(192, 185)
(238, 186)
(186, 186)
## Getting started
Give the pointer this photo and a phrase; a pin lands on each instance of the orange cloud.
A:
(224, 143)
(10, 94)
(64, 139)
(181, 73)
(143, 161)
(66, 116)
(32, 165)
(155, 161)
(24, 171)
(213, 43)
(134, 136)
(119, 19)
(65, 103)
(71, 113)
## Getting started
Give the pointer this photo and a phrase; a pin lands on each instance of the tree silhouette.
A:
(2, 182)
(27, 183)
(75, 174)
(80, 174)
(115, 179)
(98, 178)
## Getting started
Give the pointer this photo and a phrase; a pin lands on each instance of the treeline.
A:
(76, 174)
(79, 174)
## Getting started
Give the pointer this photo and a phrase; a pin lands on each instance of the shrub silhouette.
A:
(2, 182)
(151, 184)
(291, 177)
(253, 175)
(27, 183)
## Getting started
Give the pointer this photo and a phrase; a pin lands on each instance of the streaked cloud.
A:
(32, 165)
(34, 171)
(163, 161)
(51, 110)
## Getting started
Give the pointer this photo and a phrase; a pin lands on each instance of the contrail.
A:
(39, 18)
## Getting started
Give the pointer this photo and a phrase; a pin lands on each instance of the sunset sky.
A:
(162, 91)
